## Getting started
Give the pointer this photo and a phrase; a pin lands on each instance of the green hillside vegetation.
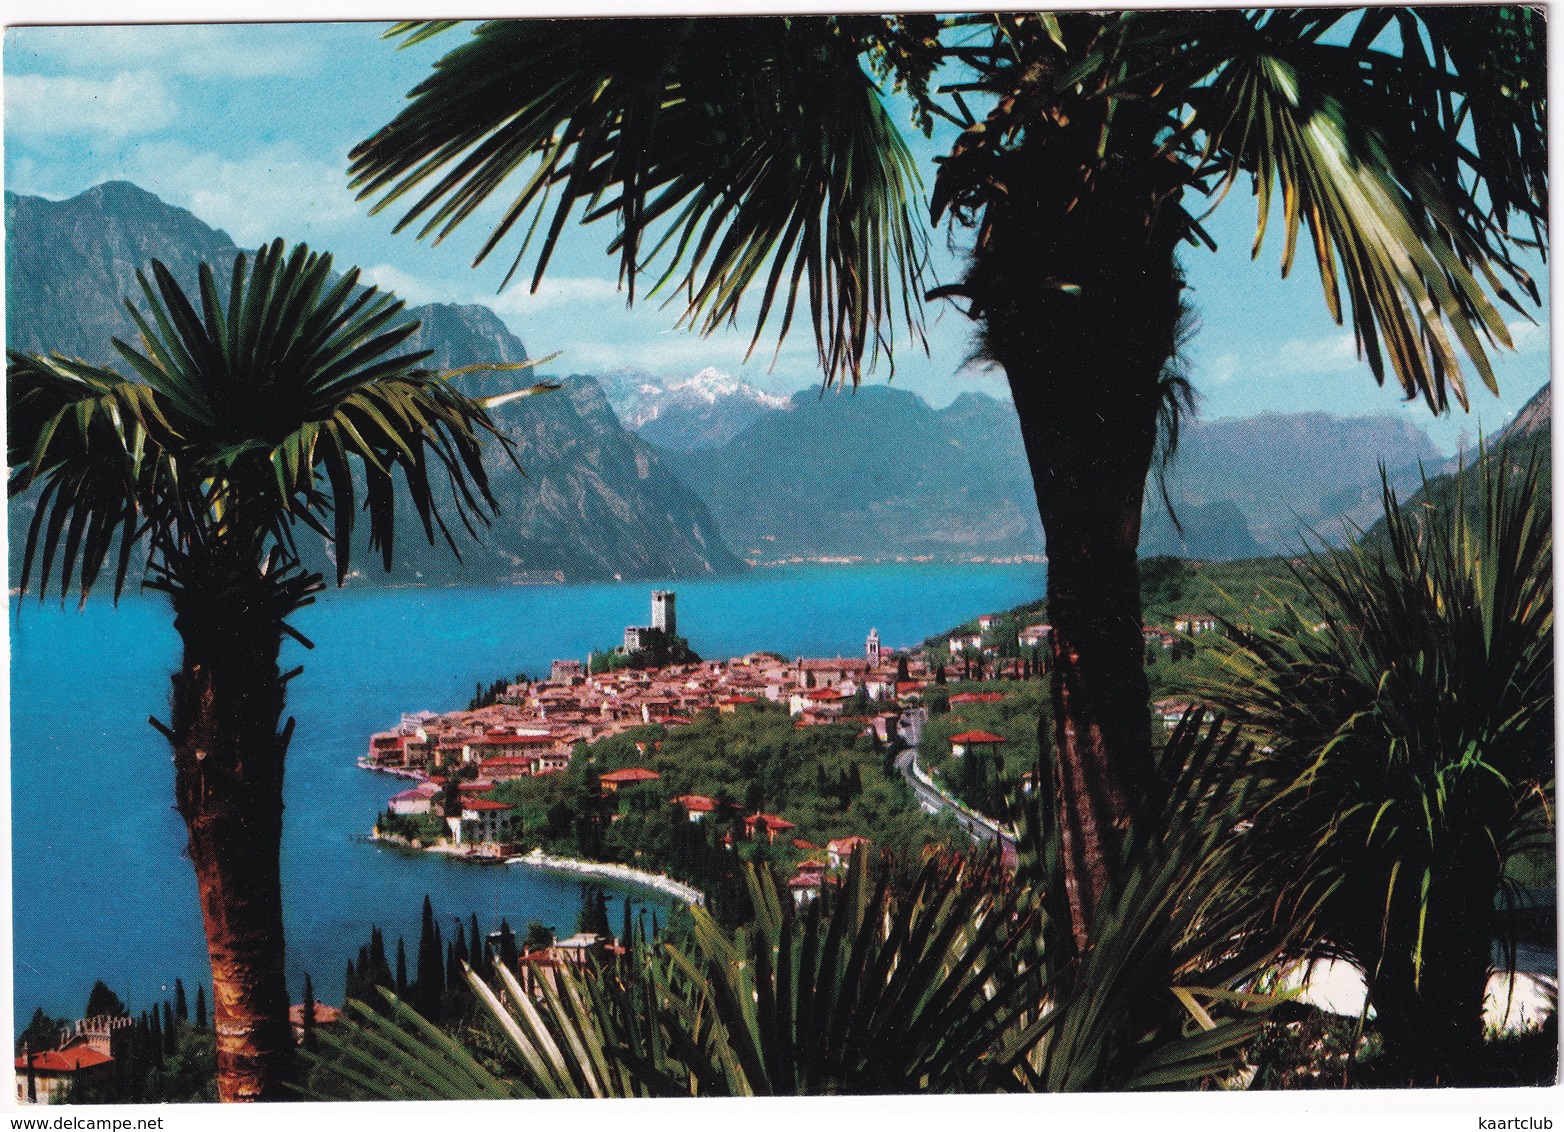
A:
(830, 781)
(981, 778)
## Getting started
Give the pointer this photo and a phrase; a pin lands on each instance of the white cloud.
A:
(1223, 369)
(1333, 353)
(128, 103)
(200, 51)
(272, 191)
(684, 352)
(1529, 337)
(518, 301)
(406, 286)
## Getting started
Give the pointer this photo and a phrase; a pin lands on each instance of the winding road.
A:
(979, 828)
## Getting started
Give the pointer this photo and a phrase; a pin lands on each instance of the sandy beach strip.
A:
(664, 884)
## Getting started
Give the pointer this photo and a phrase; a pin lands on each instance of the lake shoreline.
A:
(659, 882)
(537, 859)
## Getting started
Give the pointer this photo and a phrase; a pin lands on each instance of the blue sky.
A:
(248, 126)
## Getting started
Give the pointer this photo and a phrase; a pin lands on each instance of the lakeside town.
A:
(533, 728)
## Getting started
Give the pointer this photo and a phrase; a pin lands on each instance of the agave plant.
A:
(1408, 705)
(869, 990)
(1165, 996)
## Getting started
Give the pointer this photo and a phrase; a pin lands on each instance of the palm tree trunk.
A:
(1083, 314)
(228, 759)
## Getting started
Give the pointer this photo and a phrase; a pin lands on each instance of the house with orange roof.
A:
(769, 824)
(483, 822)
(48, 1077)
(696, 806)
(631, 776)
(976, 698)
(840, 850)
(965, 741)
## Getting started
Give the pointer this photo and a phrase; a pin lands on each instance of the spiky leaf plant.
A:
(1407, 704)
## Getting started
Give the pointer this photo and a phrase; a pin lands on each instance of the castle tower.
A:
(872, 648)
(664, 617)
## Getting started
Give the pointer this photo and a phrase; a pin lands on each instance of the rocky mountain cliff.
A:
(596, 502)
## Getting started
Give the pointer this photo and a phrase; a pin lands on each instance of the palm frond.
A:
(736, 155)
(275, 405)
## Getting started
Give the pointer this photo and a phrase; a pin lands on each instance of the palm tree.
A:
(756, 153)
(1408, 701)
(247, 414)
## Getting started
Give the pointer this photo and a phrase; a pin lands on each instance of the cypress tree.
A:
(508, 953)
(170, 1036)
(431, 971)
(200, 1007)
(181, 1007)
(460, 945)
(478, 946)
(401, 969)
(350, 983)
(380, 970)
(155, 1035)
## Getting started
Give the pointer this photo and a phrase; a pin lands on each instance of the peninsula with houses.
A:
(666, 773)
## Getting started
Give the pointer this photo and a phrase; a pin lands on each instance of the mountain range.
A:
(596, 501)
(633, 475)
(684, 414)
(878, 473)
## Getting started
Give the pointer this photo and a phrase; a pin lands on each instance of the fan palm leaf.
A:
(241, 419)
(282, 402)
(736, 155)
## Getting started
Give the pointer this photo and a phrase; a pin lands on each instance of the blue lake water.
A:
(100, 888)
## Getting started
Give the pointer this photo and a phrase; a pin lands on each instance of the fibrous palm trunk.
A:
(228, 761)
(1082, 309)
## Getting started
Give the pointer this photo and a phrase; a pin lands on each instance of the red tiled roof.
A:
(769, 821)
(737, 700)
(977, 698)
(697, 803)
(630, 775)
(977, 737)
(825, 694)
(64, 1060)
(483, 804)
(800, 843)
(809, 866)
(842, 845)
(324, 1014)
(806, 880)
